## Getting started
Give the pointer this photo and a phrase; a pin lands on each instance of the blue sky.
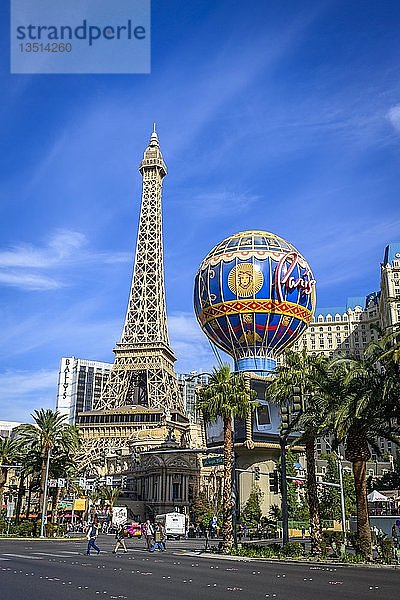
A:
(282, 116)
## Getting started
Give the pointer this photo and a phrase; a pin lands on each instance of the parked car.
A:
(133, 530)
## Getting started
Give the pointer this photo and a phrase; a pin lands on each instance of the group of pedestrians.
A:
(154, 535)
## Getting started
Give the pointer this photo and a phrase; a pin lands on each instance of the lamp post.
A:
(342, 504)
(233, 485)
(284, 498)
(44, 507)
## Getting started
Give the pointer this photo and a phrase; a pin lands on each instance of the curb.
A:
(275, 561)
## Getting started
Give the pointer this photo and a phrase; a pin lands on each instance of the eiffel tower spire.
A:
(143, 372)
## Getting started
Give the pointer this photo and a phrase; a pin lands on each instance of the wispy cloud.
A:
(77, 329)
(60, 246)
(24, 391)
(29, 281)
(393, 115)
(356, 254)
(64, 248)
(190, 344)
(214, 204)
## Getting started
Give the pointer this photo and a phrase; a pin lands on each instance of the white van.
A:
(174, 523)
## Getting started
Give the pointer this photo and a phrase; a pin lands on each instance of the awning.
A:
(375, 496)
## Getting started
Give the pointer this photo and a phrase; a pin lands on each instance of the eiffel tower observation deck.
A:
(141, 402)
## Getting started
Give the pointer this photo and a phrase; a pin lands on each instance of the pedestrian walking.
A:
(120, 539)
(159, 538)
(148, 531)
(92, 534)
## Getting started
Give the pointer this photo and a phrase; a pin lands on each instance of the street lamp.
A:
(342, 504)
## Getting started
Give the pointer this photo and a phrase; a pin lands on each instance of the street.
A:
(60, 569)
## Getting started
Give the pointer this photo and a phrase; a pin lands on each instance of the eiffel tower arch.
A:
(141, 404)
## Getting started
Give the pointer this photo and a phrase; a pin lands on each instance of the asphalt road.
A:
(60, 570)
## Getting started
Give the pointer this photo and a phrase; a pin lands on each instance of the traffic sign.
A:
(212, 461)
(10, 509)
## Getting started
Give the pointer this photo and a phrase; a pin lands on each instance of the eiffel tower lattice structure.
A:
(143, 371)
(141, 402)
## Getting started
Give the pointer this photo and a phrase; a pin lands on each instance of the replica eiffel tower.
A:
(141, 404)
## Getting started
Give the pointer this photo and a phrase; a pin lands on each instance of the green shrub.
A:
(254, 551)
(352, 558)
(24, 529)
(293, 550)
(386, 550)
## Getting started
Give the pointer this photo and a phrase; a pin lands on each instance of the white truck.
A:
(174, 523)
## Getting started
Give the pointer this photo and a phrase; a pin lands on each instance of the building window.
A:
(176, 491)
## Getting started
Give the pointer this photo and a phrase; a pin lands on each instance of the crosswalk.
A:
(5, 556)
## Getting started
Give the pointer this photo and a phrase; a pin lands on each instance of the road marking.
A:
(22, 556)
(49, 554)
(4, 558)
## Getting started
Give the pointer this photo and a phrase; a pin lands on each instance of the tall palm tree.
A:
(62, 466)
(228, 396)
(305, 372)
(361, 409)
(110, 495)
(9, 454)
(49, 431)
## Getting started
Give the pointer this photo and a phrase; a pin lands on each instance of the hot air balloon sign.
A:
(254, 295)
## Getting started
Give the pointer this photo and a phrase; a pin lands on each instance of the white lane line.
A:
(22, 556)
(51, 554)
(4, 558)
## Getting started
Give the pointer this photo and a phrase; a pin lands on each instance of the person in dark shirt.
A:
(92, 534)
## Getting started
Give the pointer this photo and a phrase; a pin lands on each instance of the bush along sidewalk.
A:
(30, 529)
(385, 554)
(290, 550)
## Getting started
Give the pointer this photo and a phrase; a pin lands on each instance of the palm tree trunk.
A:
(21, 493)
(312, 494)
(363, 526)
(28, 504)
(43, 469)
(3, 478)
(227, 526)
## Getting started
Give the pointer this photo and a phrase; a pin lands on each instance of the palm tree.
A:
(49, 431)
(62, 465)
(9, 454)
(109, 495)
(386, 349)
(305, 372)
(228, 396)
(362, 408)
